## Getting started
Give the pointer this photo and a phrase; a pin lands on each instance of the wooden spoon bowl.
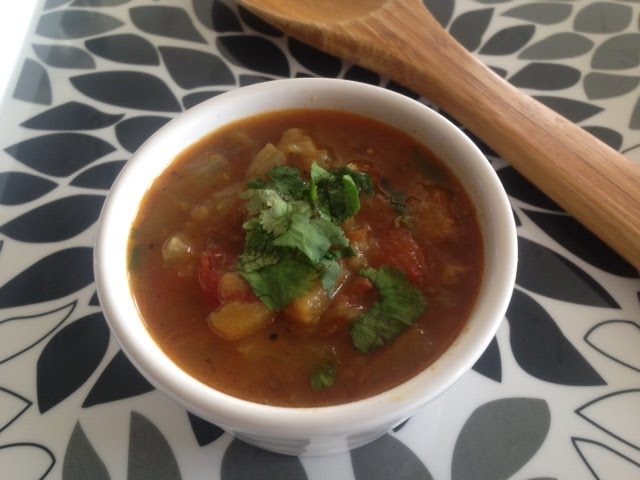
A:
(400, 40)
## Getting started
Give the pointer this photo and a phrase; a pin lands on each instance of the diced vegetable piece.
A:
(233, 287)
(299, 143)
(219, 207)
(265, 160)
(435, 204)
(209, 170)
(307, 309)
(235, 320)
(177, 248)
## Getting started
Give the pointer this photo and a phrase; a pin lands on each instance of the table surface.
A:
(555, 396)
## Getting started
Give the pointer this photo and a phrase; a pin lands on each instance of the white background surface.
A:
(15, 22)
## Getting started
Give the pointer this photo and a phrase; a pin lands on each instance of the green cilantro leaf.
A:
(324, 377)
(279, 284)
(400, 305)
(293, 240)
(336, 195)
(288, 182)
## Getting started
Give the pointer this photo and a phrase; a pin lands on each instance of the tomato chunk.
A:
(398, 248)
(214, 263)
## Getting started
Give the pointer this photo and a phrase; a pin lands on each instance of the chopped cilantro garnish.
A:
(293, 236)
(336, 194)
(279, 284)
(400, 305)
(324, 377)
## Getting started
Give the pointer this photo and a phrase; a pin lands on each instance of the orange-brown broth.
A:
(278, 369)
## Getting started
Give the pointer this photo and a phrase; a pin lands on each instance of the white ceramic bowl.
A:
(311, 431)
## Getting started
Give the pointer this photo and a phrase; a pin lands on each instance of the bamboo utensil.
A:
(402, 41)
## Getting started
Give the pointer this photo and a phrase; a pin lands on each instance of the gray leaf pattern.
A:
(150, 455)
(81, 460)
(558, 46)
(517, 428)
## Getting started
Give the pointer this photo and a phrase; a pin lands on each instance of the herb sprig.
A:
(293, 237)
(400, 306)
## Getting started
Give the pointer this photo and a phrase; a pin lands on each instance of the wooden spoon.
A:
(402, 41)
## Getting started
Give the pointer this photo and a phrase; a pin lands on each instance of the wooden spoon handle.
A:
(590, 180)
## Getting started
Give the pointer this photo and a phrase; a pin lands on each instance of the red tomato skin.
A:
(213, 263)
(399, 249)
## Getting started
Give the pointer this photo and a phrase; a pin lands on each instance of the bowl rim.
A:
(232, 413)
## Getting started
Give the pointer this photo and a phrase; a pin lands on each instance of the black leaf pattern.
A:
(59, 154)
(616, 339)
(396, 87)
(386, 458)
(71, 116)
(133, 132)
(245, 80)
(19, 334)
(255, 53)
(546, 76)
(33, 84)
(469, 27)
(541, 349)
(517, 428)
(101, 176)
(95, 301)
(314, 60)
(401, 425)
(205, 432)
(603, 461)
(170, 22)
(128, 89)
(11, 404)
(361, 74)
(119, 380)
(219, 16)
(548, 273)
(620, 426)
(572, 235)
(64, 56)
(193, 68)
(489, 364)
(33, 460)
(69, 24)
(606, 135)
(70, 358)
(573, 110)
(519, 187)
(55, 221)
(442, 10)
(124, 48)
(508, 40)
(18, 187)
(150, 455)
(55, 276)
(193, 99)
(81, 460)
(257, 24)
(242, 461)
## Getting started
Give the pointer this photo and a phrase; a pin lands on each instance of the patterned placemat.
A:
(555, 395)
